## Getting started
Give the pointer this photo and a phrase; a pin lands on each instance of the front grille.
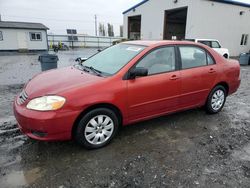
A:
(22, 98)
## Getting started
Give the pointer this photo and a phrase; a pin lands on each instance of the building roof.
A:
(219, 1)
(135, 6)
(22, 25)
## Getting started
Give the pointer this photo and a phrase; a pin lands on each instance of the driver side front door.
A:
(158, 93)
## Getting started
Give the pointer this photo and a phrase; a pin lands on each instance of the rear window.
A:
(208, 43)
(191, 40)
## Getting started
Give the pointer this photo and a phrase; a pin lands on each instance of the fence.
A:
(82, 40)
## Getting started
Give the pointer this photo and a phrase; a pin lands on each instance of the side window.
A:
(159, 61)
(1, 35)
(192, 57)
(210, 60)
(208, 43)
(215, 44)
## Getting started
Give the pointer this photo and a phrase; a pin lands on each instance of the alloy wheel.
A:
(99, 129)
(218, 99)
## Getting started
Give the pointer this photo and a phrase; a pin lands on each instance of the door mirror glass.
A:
(138, 72)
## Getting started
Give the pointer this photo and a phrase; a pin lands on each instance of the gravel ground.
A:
(19, 68)
(187, 149)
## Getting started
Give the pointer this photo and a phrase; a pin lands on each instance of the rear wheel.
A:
(216, 100)
(226, 56)
(97, 128)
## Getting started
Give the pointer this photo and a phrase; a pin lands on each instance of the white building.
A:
(225, 20)
(23, 36)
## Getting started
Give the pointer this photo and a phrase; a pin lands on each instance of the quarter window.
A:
(35, 36)
(159, 61)
(210, 60)
(192, 57)
(1, 35)
(244, 40)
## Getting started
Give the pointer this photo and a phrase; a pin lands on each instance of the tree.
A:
(121, 30)
(102, 30)
(110, 30)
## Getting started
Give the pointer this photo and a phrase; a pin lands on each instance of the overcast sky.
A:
(61, 14)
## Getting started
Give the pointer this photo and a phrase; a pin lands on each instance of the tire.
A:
(97, 128)
(226, 56)
(216, 100)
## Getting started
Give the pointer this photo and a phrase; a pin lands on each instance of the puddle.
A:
(21, 178)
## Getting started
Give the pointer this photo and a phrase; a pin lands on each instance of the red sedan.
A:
(126, 83)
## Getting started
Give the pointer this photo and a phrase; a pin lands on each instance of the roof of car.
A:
(159, 42)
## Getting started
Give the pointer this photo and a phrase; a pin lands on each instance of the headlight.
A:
(46, 103)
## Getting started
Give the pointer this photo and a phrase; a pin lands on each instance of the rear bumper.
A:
(234, 87)
(45, 126)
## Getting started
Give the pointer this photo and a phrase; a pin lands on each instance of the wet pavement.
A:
(187, 149)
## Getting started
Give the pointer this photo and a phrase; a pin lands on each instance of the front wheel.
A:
(97, 128)
(216, 100)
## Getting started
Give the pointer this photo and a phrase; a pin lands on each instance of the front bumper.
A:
(46, 126)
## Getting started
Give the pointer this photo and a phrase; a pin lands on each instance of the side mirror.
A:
(81, 59)
(138, 72)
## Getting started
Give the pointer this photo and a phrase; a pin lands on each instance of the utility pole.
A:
(95, 25)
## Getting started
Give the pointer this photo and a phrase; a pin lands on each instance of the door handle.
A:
(211, 70)
(174, 77)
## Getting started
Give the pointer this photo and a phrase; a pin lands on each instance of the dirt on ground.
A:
(187, 149)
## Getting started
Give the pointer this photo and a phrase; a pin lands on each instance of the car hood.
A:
(59, 80)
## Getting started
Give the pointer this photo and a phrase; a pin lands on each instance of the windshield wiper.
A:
(97, 72)
(81, 67)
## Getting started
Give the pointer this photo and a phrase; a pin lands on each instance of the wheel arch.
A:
(95, 106)
(224, 84)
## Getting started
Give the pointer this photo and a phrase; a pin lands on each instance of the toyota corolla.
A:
(124, 84)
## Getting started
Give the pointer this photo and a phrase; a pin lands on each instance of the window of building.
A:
(159, 61)
(192, 57)
(244, 40)
(1, 35)
(35, 36)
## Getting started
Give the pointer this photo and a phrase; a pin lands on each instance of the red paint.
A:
(139, 99)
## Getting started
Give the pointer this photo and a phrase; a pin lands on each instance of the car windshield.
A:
(111, 60)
